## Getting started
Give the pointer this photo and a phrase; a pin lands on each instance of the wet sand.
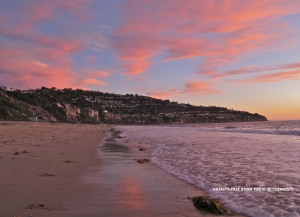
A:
(131, 189)
(98, 179)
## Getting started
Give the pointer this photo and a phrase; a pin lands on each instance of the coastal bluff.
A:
(94, 107)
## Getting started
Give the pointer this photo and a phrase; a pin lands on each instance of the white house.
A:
(34, 118)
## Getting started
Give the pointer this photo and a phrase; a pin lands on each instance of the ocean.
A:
(253, 167)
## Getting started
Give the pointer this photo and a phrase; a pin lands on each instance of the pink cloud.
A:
(35, 66)
(95, 73)
(256, 69)
(273, 77)
(42, 10)
(221, 31)
(33, 58)
(199, 88)
(135, 51)
(91, 81)
(190, 88)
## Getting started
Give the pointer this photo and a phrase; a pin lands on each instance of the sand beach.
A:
(81, 170)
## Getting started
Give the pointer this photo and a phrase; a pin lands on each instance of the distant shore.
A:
(64, 170)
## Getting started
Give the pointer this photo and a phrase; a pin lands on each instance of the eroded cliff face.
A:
(72, 112)
(76, 114)
(94, 114)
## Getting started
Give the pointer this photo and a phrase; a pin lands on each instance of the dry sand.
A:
(103, 179)
(48, 146)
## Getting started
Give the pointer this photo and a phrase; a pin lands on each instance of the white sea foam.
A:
(235, 155)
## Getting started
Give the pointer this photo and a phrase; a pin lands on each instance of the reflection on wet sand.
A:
(134, 194)
(114, 147)
(123, 187)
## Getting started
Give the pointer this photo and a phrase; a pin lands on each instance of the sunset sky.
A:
(240, 54)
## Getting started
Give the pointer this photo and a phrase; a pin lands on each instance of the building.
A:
(3, 87)
(34, 118)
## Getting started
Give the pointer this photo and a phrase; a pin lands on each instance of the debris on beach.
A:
(142, 149)
(47, 174)
(17, 153)
(142, 161)
(69, 161)
(209, 204)
(37, 206)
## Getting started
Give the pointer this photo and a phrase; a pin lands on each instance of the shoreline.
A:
(90, 178)
(146, 188)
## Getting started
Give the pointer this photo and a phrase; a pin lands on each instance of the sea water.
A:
(253, 167)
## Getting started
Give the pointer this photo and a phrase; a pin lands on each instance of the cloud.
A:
(220, 31)
(199, 88)
(95, 73)
(33, 56)
(190, 88)
(273, 77)
(34, 66)
(255, 69)
(92, 81)
(135, 50)
(44, 41)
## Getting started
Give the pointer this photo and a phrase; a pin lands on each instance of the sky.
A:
(240, 54)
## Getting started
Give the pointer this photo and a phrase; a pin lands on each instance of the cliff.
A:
(73, 106)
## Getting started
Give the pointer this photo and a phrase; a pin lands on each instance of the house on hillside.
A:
(34, 118)
(37, 118)
(2, 88)
(11, 89)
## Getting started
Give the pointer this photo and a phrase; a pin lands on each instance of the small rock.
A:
(34, 206)
(209, 204)
(24, 151)
(142, 149)
(69, 161)
(16, 153)
(142, 161)
(47, 174)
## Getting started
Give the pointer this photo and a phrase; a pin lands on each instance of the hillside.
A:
(74, 106)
